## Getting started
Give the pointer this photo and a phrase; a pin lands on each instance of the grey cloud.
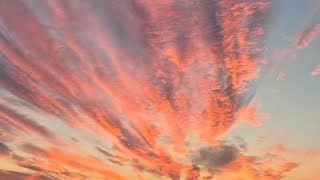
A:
(4, 149)
(17, 176)
(215, 157)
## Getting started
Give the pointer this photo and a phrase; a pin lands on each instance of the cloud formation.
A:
(308, 35)
(4, 150)
(213, 158)
(140, 78)
(316, 71)
(311, 30)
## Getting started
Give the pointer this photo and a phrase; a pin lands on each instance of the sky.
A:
(159, 90)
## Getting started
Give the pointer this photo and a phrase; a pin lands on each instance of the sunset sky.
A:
(159, 90)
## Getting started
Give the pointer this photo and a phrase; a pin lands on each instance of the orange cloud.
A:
(246, 167)
(82, 163)
(144, 76)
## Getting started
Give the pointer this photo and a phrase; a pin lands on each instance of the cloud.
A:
(282, 149)
(281, 75)
(227, 161)
(311, 30)
(241, 143)
(248, 114)
(17, 175)
(316, 71)
(213, 158)
(4, 149)
(129, 73)
(93, 165)
(305, 38)
(252, 167)
(24, 123)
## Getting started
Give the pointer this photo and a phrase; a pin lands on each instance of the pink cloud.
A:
(306, 37)
(281, 75)
(316, 71)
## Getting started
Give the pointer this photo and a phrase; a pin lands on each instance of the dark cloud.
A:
(32, 167)
(29, 165)
(4, 149)
(32, 149)
(112, 158)
(12, 175)
(213, 158)
(105, 153)
(72, 174)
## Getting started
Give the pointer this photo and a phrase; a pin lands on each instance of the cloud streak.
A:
(311, 31)
(308, 35)
(316, 71)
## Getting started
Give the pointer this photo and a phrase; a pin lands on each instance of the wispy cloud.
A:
(308, 35)
(311, 30)
(17, 175)
(316, 71)
(282, 149)
(281, 75)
